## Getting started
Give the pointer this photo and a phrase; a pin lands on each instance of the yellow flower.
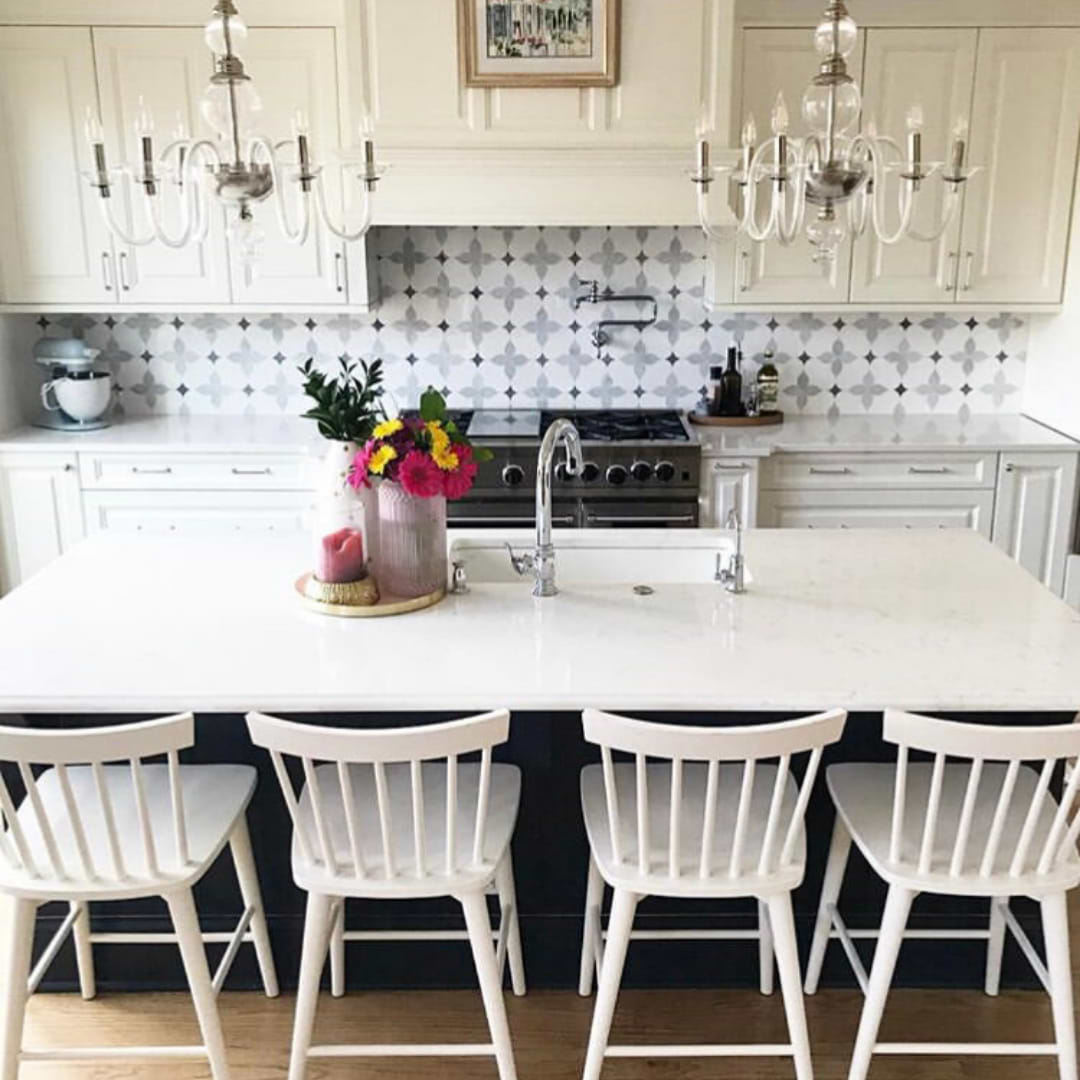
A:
(380, 459)
(442, 452)
(387, 428)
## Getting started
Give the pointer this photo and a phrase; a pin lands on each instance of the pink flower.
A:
(419, 475)
(358, 474)
(458, 484)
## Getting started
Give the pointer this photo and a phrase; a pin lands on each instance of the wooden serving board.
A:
(762, 420)
(387, 605)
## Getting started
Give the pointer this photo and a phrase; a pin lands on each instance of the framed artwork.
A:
(536, 43)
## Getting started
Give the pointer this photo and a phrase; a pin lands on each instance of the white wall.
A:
(1052, 385)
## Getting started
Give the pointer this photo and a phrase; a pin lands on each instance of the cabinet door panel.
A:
(877, 510)
(1024, 130)
(40, 512)
(727, 486)
(296, 69)
(168, 68)
(54, 247)
(934, 68)
(774, 61)
(1035, 511)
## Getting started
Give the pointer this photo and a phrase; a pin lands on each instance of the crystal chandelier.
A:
(239, 169)
(845, 174)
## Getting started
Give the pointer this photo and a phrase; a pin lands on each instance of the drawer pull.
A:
(942, 470)
(167, 471)
(719, 466)
(252, 472)
(818, 471)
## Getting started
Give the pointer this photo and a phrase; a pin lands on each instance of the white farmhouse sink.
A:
(601, 556)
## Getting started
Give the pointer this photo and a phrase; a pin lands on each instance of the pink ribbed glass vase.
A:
(412, 542)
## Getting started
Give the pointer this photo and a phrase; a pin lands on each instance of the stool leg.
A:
(312, 960)
(594, 901)
(337, 952)
(244, 861)
(1056, 931)
(623, 906)
(893, 922)
(787, 959)
(839, 850)
(504, 880)
(765, 949)
(995, 946)
(17, 920)
(84, 952)
(189, 937)
(478, 922)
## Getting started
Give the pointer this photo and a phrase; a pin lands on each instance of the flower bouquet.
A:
(419, 462)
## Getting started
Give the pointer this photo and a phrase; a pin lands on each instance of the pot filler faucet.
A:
(542, 561)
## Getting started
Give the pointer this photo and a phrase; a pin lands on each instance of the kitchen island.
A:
(942, 622)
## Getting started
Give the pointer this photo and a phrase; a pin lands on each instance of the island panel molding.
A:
(484, 314)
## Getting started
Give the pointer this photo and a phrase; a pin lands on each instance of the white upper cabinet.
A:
(167, 69)
(1024, 129)
(54, 246)
(774, 61)
(296, 69)
(934, 69)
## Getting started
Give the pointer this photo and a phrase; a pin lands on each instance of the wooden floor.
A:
(549, 1031)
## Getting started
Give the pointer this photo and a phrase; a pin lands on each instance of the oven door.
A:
(640, 515)
(509, 514)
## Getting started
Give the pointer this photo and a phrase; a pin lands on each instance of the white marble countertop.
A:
(291, 434)
(861, 619)
(980, 431)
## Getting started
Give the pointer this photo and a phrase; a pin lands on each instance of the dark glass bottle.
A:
(731, 403)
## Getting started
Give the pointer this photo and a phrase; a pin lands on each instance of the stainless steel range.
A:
(641, 469)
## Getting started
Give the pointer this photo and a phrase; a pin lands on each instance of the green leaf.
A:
(432, 405)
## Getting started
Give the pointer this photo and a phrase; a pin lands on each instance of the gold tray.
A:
(387, 605)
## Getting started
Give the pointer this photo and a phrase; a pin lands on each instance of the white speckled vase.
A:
(412, 542)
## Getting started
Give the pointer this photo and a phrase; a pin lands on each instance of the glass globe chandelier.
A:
(844, 173)
(238, 169)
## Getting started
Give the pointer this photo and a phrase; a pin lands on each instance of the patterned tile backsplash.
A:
(486, 315)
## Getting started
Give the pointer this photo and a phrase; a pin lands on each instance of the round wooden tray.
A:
(761, 420)
(387, 605)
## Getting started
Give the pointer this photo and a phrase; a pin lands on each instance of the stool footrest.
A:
(702, 1050)
(114, 1053)
(946, 1048)
(346, 1050)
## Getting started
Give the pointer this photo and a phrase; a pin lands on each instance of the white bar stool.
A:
(394, 815)
(709, 819)
(981, 826)
(91, 831)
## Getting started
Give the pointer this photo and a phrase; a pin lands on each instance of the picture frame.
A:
(539, 43)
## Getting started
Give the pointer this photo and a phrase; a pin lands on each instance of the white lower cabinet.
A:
(883, 509)
(1035, 513)
(726, 485)
(197, 512)
(41, 512)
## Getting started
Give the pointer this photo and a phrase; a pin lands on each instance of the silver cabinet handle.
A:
(152, 472)
(124, 284)
(69, 467)
(744, 271)
(339, 281)
(1010, 467)
(719, 466)
(638, 519)
(252, 472)
(969, 262)
(106, 271)
(942, 470)
(952, 270)
(816, 470)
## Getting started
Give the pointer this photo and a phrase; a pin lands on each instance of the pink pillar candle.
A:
(340, 557)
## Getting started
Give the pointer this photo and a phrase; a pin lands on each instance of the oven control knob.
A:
(590, 472)
(616, 475)
(513, 475)
(641, 471)
(665, 472)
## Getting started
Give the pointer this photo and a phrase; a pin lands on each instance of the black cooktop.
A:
(594, 425)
